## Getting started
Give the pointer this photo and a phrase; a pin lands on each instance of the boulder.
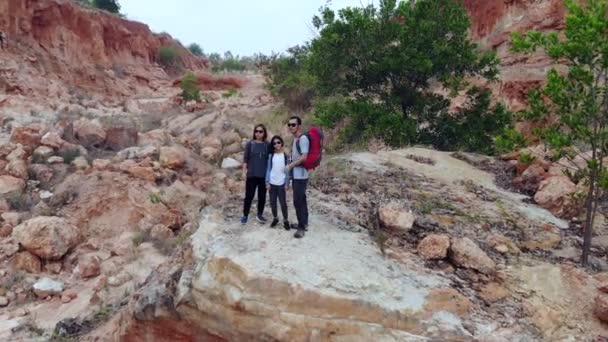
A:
(530, 179)
(230, 163)
(26, 136)
(46, 287)
(18, 153)
(210, 154)
(210, 142)
(3, 301)
(5, 230)
(603, 287)
(555, 195)
(172, 157)
(28, 262)
(101, 164)
(11, 218)
(144, 173)
(465, 253)
(89, 133)
(118, 138)
(80, 163)
(494, 292)
(601, 307)
(48, 237)
(393, 217)
(89, 266)
(161, 232)
(43, 153)
(232, 149)
(230, 138)
(434, 246)
(11, 186)
(42, 173)
(17, 168)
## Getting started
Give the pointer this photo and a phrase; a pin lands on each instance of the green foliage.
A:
(578, 98)
(190, 89)
(111, 6)
(526, 158)
(509, 140)
(196, 49)
(384, 60)
(167, 56)
(230, 93)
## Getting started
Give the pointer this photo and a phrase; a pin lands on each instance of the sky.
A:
(241, 26)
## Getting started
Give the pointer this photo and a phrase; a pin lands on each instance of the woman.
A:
(277, 179)
(255, 163)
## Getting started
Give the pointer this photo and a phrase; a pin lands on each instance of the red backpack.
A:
(315, 151)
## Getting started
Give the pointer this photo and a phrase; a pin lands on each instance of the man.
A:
(299, 153)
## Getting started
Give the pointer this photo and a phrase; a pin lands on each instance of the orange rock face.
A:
(89, 49)
(492, 24)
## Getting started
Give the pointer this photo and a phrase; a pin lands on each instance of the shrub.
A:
(167, 56)
(111, 6)
(190, 89)
(195, 49)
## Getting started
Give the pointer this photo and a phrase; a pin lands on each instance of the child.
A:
(277, 180)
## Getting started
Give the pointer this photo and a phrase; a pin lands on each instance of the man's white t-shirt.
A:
(277, 173)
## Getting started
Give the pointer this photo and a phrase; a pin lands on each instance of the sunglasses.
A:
(277, 143)
(258, 131)
(292, 124)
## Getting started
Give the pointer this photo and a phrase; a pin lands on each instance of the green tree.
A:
(167, 56)
(289, 77)
(190, 89)
(111, 6)
(578, 99)
(389, 56)
(196, 49)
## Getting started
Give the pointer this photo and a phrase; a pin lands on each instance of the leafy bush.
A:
(190, 89)
(111, 6)
(167, 56)
(382, 61)
(196, 49)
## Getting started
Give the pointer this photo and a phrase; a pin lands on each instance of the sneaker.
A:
(286, 225)
(274, 223)
(299, 234)
(261, 219)
(294, 226)
(244, 220)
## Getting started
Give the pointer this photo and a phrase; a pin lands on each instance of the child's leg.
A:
(273, 200)
(283, 201)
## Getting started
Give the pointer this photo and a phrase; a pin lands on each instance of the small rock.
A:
(395, 218)
(69, 295)
(46, 287)
(172, 157)
(80, 163)
(26, 136)
(118, 280)
(144, 173)
(118, 138)
(210, 154)
(28, 262)
(493, 292)
(44, 195)
(230, 163)
(101, 164)
(102, 281)
(3, 302)
(53, 267)
(89, 266)
(6, 230)
(434, 246)
(603, 287)
(52, 139)
(43, 153)
(55, 160)
(465, 253)
(161, 232)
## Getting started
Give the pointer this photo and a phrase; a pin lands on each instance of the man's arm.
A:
(304, 147)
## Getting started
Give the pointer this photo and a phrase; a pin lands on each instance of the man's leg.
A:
(304, 203)
(299, 188)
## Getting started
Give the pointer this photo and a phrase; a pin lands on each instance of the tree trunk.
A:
(589, 207)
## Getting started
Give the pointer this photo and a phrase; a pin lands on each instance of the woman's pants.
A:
(251, 185)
